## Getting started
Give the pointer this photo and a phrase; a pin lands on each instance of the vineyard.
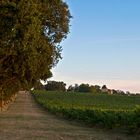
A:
(109, 111)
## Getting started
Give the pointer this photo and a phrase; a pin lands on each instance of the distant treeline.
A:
(61, 86)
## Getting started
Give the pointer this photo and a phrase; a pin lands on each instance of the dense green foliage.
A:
(95, 109)
(55, 86)
(30, 33)
(84, 88)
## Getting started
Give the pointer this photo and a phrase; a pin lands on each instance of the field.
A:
(94, 109)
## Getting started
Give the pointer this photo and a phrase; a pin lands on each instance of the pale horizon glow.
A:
(124, 85)
(103, 47)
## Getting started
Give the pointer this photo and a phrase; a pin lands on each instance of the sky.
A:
(103, 46)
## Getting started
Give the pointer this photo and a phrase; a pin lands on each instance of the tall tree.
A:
(30, 34)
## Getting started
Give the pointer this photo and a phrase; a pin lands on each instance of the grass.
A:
(94, 109)
(89, 100)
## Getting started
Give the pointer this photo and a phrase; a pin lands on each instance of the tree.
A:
(84, 88)
(55, 86)
(95, 89)
(30, 34)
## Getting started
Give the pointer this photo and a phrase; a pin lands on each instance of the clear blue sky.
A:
(103, 46)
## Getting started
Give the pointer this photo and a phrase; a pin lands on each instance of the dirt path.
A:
(25, 120)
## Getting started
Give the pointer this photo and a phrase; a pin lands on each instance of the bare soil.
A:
(26, 120)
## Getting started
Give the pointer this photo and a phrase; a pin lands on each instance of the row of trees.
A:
(30, 34)
(84, 88)
(51, 86)
(95, 89)
(61, 86)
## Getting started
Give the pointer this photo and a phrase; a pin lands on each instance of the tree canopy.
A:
(30, 36)
(55, 86)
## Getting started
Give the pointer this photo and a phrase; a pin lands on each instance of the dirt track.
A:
(25, 120)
